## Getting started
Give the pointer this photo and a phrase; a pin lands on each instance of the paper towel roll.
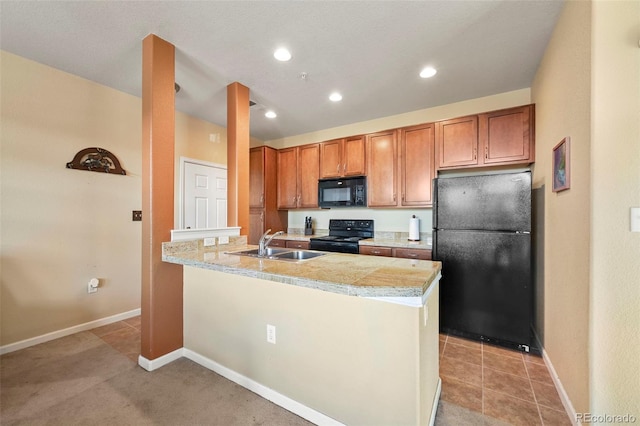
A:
(414, 229)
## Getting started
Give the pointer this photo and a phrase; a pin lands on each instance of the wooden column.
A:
(161, 282)
(238, 157)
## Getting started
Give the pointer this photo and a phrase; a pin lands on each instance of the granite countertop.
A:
(348, 274)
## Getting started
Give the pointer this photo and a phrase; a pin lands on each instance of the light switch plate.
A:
(208, 242)
(223, 239)
(635, 219)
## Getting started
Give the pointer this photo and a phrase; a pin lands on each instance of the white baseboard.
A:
(12, 347)
(277, 398)
(436, 399)
(154, 364)
(566, 402)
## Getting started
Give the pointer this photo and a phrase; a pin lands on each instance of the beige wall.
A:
(588, 88)
(193, 141)
(61, 227)
(336, 354)
(615, 252)
(457, 109)
(562, 94)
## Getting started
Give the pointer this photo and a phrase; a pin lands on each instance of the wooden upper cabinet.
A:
(256, 177)
(331, 158)
(308, 175)
(489, 139)
(457, 142)
(507, 135)
(287, 178)
(298, 173)
(353, 159)
(417, 168)
(382, 164)
(342, 157)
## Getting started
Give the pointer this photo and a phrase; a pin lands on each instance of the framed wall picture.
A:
(561, 165)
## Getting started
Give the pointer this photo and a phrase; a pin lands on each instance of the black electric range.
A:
(344, 235)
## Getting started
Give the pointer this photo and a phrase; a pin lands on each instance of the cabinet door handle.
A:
(344, 168)
(394, 196)
(475, 153)
(338, 168)
(413, 255)
(375, 252)
(261, 216)
(486, 152)
(261, 198)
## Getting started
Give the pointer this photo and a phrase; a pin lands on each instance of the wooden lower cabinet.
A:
(296, 244)
(278, 243)
(376, 251)
(422, 254)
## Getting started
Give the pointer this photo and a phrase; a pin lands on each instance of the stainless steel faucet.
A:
(265, 240)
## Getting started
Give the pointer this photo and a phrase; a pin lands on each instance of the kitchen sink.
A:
(280, 254)
(270, 252)
(299, 255)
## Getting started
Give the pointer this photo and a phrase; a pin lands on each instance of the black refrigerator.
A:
(482, 236)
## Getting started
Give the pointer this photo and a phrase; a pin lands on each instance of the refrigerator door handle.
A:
(434, 198)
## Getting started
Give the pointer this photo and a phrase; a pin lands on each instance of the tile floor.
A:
(500, 383)
(123, 336)
(491, 381)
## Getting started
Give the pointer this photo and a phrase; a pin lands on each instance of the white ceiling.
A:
(371, 51)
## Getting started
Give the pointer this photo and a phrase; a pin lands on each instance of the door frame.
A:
(181, 190)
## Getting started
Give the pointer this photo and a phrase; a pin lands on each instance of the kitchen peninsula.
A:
(355, 338)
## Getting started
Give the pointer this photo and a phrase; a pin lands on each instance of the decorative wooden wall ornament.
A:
(96, 160)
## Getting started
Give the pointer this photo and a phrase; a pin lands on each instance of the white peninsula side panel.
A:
(353, 359)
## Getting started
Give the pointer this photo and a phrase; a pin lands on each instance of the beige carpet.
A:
(81, 380)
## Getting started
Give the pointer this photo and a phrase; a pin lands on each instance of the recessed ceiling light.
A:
(282, 54)
(335, 97)
(270, 114)
(428, 72)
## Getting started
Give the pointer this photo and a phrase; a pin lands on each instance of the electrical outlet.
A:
(271, 333)
(208, 242)
(92, 285)
(136, 215)
(223, 240)
(635, 219)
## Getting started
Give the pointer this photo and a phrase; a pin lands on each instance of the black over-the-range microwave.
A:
(344, 192)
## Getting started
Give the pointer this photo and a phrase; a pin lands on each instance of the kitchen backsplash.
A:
(386, 220)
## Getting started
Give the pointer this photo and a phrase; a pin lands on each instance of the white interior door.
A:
(204, 196)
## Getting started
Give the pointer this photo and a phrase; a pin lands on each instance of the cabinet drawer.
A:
(278, 243)
(304, 245)
(413, 253)
(376, 251)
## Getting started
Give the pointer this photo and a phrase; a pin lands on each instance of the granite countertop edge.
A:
(197, 258)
